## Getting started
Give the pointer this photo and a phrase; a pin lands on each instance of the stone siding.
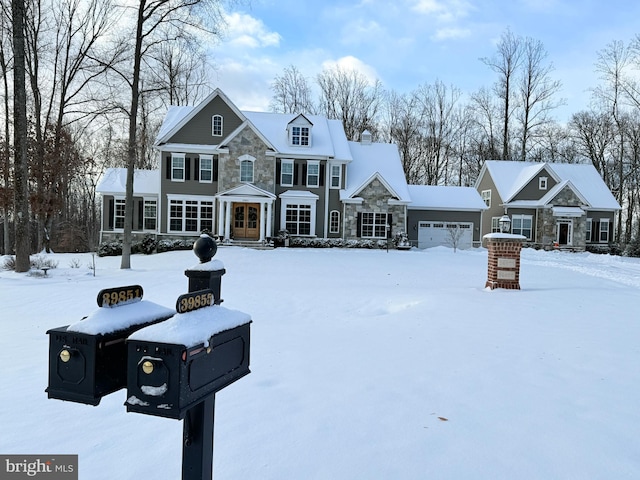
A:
(375, 199)
(547, 222)
(247, 143)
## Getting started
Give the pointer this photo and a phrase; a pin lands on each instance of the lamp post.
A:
(505, 224)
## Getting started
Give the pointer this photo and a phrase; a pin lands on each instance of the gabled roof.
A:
(435, 197)
(375, 160)
(114, 181)
(511, 177)
(246, 190)
(178, 116)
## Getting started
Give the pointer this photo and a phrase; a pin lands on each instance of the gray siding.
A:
(531, 190)
(495, 209)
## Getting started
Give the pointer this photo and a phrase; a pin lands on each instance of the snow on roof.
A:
(193, 328)
(375, 158)
(174, 115)
(326, 140)
(510, 177)
(144, 181)
(436, 197)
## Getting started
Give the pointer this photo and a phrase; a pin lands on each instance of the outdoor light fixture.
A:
(505, 223)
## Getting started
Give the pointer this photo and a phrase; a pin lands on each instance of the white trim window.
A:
(313, 173)
(495, 224)
(246, 168)
(603, 236)
(150, 214)
(216, 126)
(286, 173)
(336, 176)
(118, 213)
(206, 169)
(373, 225)
(522, 225)
(543, 183)
(486, 197)
(334, 221)
(589, 229)
(177, 167)
(298, 219)
(190, 214)
(300, 136)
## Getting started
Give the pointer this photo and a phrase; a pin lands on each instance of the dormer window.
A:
(299, 131)
(300, 136)
(216, 125)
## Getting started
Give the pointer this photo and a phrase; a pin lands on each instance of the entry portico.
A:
(245, 212)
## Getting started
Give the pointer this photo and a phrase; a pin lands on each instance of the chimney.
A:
(365, 138)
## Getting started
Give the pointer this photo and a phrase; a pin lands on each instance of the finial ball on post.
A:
(205, 248)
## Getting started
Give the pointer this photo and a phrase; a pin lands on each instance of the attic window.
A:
(300, 136)
(216, 125)
(542, 183)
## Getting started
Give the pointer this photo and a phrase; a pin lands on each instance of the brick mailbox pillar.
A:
(503, 269)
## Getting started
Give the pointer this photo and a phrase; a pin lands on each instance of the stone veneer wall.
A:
(504, 263)
(247, 143)
(376, 199)
(547, 233)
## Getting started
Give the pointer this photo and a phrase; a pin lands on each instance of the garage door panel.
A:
(434, 234)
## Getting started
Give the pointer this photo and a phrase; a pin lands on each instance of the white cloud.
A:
(352, 63)
(244, 31)
(449, 33)
(443, 10)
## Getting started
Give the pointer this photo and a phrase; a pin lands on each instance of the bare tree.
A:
(348, 96)
(506, 63)
(21, 192)
(536, 91)
(156, 22)
(6, 193)
(291, 93)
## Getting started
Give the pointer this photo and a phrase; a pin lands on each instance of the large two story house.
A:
(245, 176)
(555, 205)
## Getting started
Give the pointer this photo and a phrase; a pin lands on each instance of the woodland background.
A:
(92, 98)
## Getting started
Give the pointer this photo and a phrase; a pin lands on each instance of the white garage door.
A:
(434, 234)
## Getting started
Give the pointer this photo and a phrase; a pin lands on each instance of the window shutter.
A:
(296, 171)
(196, 169)
(214, 174)
(168, 168)
(278, 171)
(110, 212)
(140, 212)
(187, 168)
(321, 182)
(304, 174)
(389, 222)
(359, 225)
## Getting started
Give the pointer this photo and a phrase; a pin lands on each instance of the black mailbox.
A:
(175, 365)
(88, 359)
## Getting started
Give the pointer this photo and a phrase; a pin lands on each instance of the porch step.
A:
(256, 245)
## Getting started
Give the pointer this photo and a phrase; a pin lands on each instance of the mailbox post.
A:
(171, 363)
(176, 367)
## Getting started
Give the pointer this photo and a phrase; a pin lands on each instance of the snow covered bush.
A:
(110, 249)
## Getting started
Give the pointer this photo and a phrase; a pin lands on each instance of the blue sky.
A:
(406, 43)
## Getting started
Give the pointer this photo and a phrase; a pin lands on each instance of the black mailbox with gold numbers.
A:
(88, 359)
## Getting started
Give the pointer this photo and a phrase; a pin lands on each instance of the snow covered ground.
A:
(365, 365)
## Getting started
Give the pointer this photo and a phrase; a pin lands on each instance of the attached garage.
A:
(438, 214)
(434, 234)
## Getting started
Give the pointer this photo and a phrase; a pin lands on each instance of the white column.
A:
(221, 208)
(269, 230)
(262, 220)
(227, 222)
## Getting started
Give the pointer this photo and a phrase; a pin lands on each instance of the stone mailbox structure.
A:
(503, 269)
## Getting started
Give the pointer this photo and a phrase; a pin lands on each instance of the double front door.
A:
(246, 221)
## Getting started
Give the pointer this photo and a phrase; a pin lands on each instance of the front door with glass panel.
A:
(246, 221)
(565, 232)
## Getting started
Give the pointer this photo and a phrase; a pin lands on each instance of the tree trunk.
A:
(21, 173)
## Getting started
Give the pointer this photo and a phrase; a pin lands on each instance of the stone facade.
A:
(247, 143)
(547, 222)
(375, 199)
